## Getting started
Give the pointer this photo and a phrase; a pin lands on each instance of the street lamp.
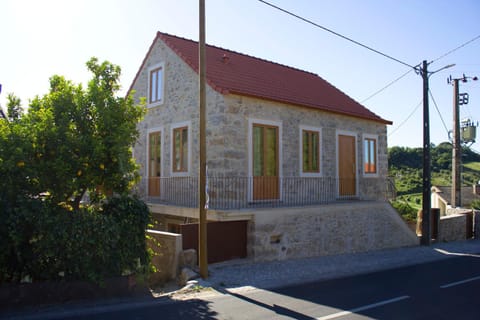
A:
(426, 189)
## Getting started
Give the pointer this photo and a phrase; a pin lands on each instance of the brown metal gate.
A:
(225, 240)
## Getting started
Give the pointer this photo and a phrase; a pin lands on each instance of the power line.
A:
(438, 111)
(388, 85)
(336, 33)
(457, 48)
(404, 121)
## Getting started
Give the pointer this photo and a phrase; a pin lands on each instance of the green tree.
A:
(72, 140)
(404, 157)
(14, 108)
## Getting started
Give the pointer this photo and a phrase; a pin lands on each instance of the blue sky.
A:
(43, 38)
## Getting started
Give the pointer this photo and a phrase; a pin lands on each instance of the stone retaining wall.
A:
(279, 234)
(452, 227)
(167, 248)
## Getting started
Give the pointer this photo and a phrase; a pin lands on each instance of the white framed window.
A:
(181, 148)
(310, 147)
(370, 155)
(156, 81)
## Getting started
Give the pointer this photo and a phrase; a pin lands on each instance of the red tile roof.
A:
(232, 72)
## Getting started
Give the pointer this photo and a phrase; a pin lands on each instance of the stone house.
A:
(300, 163)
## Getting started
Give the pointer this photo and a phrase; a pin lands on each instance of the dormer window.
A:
(155, 85)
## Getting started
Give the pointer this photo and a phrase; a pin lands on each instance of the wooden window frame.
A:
(274, 123)
(159, 72)
(310, 148)
(150, 134)
(367, 152)
(264, 157)
(160, 132)
(318, 131)
(184, 163)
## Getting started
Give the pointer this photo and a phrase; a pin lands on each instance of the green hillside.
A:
(405, 167)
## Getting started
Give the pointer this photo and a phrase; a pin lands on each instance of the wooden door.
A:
(265, 162)
(154, 164)
(347, 168)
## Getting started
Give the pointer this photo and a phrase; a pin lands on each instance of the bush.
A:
(476, 204)
(405, 210)
(40, 241)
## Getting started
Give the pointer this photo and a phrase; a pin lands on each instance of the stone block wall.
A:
(452, 227)
(325, 230)
(228, 118)
(167, 248)
(240, 109)
(180, 105)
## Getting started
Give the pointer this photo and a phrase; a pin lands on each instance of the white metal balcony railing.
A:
(247, 192)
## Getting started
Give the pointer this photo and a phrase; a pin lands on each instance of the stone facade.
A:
(453, 227)
(229, 117)
(325, 230)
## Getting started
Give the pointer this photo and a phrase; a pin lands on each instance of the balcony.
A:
(229, 193)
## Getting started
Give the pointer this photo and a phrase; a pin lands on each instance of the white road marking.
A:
(366, 307)
(459, 282)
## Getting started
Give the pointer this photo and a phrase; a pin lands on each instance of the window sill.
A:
(370, 175)
(155, 104)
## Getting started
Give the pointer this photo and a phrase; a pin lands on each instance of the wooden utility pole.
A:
(456, 150)
(426, 200)
(202, 225)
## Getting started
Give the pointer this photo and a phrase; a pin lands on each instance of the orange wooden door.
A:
(347, 166)
(265, 162)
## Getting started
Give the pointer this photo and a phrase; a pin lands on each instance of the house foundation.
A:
(312, 231)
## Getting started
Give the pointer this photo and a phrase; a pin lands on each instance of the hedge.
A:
(41, 241)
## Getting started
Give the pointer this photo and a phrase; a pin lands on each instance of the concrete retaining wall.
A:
(452, 227)
(167, 248)
(287, 233)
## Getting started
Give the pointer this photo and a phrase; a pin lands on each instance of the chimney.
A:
(225, 58)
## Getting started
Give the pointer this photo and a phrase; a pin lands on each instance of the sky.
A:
(41, 38)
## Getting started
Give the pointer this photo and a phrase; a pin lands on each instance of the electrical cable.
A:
(335, 33)
(457, 48)
(388, 85)
(404, 121)
(438, 111)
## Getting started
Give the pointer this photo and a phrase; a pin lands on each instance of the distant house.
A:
(280, 142)
(442, 197)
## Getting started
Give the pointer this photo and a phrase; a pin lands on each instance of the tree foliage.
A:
(72, 141)
(406, 164)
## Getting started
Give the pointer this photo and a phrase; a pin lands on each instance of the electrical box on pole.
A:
(468, 131)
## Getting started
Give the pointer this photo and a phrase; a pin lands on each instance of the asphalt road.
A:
(445, 289)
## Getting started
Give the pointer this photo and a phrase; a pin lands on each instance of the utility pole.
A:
(426, 186)
(202, 225)
(426, 200)
(456, 150)
(458, 100)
